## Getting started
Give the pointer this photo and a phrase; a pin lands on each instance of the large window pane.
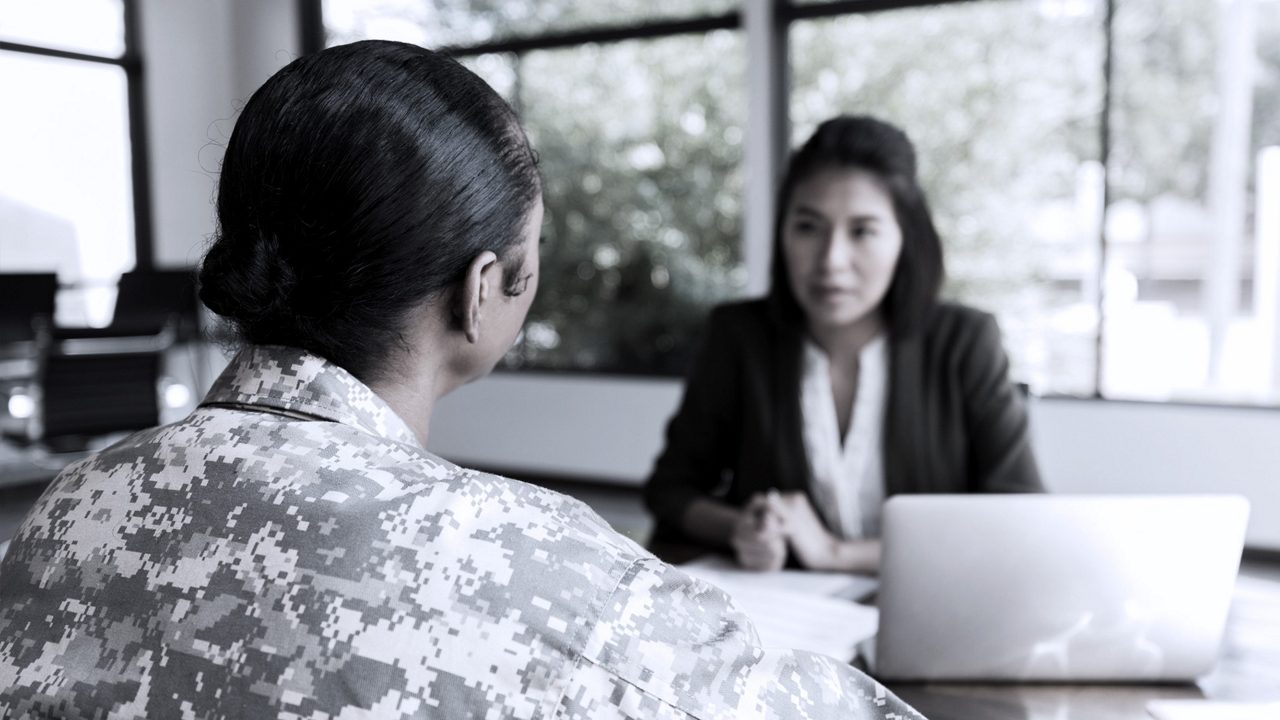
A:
(1004, 102)
(95, 27)
(65, 181)
(641, 148)
(467, 22)
(1192, 227)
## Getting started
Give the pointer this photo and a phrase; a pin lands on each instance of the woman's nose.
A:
(835, 250)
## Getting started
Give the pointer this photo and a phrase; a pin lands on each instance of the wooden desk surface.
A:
(1248, 669)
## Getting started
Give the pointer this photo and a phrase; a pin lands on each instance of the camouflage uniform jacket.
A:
(290, 550)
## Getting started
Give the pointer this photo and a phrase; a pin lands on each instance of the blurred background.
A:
(1105, 175)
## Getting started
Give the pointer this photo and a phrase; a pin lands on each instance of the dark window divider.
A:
(122, 61)
(310, 26)
(642, 31)
(788, 11)
(139, 140)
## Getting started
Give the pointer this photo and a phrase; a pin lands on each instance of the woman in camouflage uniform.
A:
(290, 549)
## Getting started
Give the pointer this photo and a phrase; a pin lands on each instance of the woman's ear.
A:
(477, 289)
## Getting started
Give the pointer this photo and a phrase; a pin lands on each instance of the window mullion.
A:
(144, 257)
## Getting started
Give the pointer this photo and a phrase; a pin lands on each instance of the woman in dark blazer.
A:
(756, 461)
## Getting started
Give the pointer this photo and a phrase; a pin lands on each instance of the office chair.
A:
(151, 299)
(89, 382)
(149, 303)
(96, 392)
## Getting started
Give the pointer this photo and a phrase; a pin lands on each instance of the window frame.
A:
(131, 62)
(778, 17)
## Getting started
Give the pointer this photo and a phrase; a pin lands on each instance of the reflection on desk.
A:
(1248, 671)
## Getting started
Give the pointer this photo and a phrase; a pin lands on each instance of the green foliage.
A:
(641, 147)
(1163, 98)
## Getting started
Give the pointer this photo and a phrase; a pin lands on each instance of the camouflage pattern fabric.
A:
(290, 550)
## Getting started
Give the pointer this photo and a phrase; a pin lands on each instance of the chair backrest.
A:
(148, 299)
(90, 394)
(27, 303)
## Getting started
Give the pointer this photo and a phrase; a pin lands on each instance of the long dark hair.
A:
(865, 143)
(359, 182)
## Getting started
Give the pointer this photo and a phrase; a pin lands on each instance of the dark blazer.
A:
(953, 423)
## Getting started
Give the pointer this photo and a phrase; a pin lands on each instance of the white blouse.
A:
(848, 478)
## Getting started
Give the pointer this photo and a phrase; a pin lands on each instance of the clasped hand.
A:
(773, 522)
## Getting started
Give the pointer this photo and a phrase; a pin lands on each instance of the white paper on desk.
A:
(1212, 710)
(809, 582)
(796, 610)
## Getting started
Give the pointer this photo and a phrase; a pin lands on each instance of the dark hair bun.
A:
(245, 281)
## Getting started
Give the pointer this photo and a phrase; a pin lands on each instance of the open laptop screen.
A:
(1054, 587)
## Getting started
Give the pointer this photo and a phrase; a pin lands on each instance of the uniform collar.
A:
(297, 382)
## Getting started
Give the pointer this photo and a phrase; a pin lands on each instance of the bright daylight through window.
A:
(1122, 219)
(66, 187)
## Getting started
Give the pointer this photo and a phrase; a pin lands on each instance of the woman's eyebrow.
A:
(521, 284)
(807, 210)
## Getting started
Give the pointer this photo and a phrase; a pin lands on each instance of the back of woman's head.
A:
(357, 185)
(865, 143)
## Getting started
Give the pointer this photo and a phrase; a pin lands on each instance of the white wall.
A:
(1116, 447)
(205, 57)
(202, 60)
(602, 429)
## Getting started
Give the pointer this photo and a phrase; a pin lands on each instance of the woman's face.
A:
(841, 241)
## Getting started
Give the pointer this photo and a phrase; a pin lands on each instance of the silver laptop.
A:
(1056, 587)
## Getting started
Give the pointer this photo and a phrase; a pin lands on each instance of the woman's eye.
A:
(518, 287)
(863, 231)
(804, 226)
